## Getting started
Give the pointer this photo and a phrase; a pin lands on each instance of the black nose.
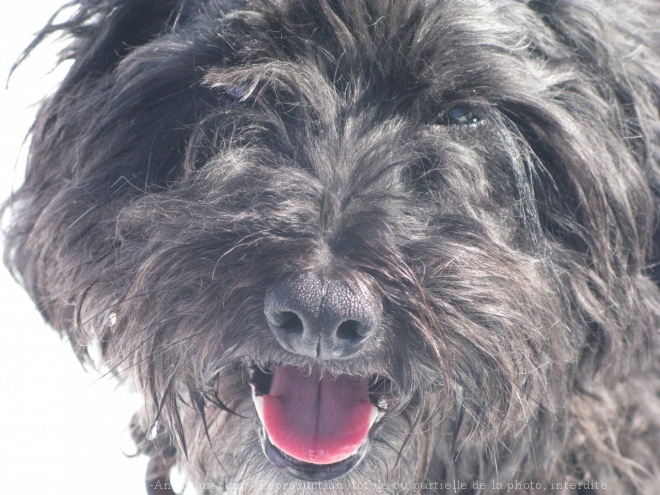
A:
(329, 319)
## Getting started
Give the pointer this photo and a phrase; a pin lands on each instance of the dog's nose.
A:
(329, 319)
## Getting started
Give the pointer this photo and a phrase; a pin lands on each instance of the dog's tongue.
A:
(320, 420)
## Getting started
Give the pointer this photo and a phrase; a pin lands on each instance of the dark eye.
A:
(459, 115)
(236, 92)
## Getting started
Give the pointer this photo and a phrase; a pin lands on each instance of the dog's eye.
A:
(459, 115)
(236, 92)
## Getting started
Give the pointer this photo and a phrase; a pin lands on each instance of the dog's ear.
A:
(600, 142)
(116, 129)
(104, 31)
(607, 92)
(620, 50)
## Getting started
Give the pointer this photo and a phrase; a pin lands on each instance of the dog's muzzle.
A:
(315, 425)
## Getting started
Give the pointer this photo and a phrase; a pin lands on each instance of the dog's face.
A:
(365, 241)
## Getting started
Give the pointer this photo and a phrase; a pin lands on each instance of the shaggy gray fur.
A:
(481, 175)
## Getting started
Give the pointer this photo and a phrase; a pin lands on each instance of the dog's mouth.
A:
(314, 425)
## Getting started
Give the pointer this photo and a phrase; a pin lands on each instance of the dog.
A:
(360, 246)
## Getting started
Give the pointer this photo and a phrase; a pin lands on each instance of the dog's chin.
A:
(316, 426)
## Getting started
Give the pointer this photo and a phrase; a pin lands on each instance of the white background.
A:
(62, 430)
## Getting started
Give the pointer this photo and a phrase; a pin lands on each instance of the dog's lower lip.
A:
(308, 471)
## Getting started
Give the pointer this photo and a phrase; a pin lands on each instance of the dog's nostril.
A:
(289, 322)
(321, 319)
(349, 330)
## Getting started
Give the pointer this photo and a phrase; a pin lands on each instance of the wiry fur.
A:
(200, 150)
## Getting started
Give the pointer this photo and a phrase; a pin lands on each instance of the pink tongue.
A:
(314, 419)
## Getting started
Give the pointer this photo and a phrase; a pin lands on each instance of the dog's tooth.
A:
(255, 392)
(376, 415)
(259, 406)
